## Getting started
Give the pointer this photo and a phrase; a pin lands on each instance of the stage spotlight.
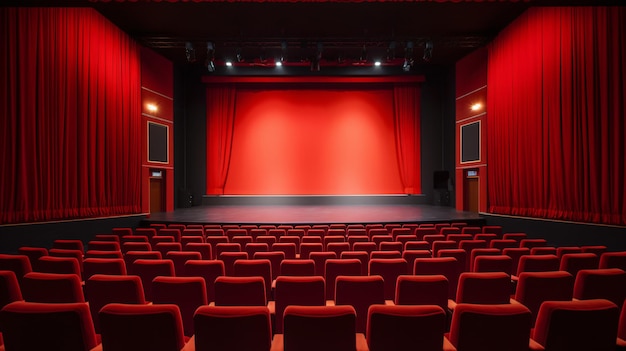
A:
(210, 57)
(229, 64)
(377, 63)
(428, 51)
(190, 53)
(238, 55)
(283, 51)
(279, 64)
(406, 66)
(408, 57)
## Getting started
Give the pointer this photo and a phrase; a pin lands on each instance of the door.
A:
(157, 195)
(471, 194)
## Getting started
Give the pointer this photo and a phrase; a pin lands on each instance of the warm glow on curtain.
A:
(70, 125)
(557, 117)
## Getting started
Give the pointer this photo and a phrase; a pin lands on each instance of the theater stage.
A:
(314, 210)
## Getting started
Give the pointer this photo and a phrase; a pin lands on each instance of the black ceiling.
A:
(346, 30)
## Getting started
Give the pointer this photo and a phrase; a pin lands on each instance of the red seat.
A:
(443, 245)
(307, 248)
(515, 236)
(422, 290)
(205, 249)
(613, 260)
(449, 267)
(390, 270)
(232, 328)
(255, 268)
(229, 259)
(188, 293)
(18, 264)
(171, 232)
(141, 327)
(405, 327)
(503, 244)
(208, 270)
(360, 292)
(320, 261)
(482, 288)
(328, 328)
(490, 327)
(33, 254)
(543, 250)
(60, 265)
(499, 263)
(530, 243)
(112, 266)
(339, 267)
(147, 270)
(252, 248)
(275, 258)
(131, 256)
(52, 288)
(515, 254)
(104, 246)
(542, 263)
(68, 244)
(47, 326)
(576, 325)
(297, 267)
(179, 258)
(362, 256)
(9, 289)
(608, 284)
(289, 249)
(304, 291)
(102, 289)
(240, 291)
(534, 288)
(385, 254)
(560, 251)
(575, 262)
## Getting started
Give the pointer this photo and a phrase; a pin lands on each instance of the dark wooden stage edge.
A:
(315, 210)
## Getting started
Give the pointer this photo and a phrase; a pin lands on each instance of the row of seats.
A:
(359, 291)
(561, 325)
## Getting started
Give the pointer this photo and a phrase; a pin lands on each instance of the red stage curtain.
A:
(70, 125)
(220, 125)
(556, 115)
(338, 140)
(406, 101)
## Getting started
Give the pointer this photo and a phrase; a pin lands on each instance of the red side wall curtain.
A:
(70, 116)
(557, 119)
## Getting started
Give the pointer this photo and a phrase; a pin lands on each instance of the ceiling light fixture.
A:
(190, 53)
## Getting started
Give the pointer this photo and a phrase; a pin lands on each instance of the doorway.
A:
(471, 195)
(157, 195)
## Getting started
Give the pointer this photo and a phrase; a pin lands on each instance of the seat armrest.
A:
(190, 345)
(278, 343)
(535, 346)
(447, 345)
(361, 342)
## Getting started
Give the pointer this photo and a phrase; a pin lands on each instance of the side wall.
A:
(471, 102)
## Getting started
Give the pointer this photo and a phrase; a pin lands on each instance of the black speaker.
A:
(440, 180)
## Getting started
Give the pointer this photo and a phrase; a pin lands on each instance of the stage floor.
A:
(313, 214)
